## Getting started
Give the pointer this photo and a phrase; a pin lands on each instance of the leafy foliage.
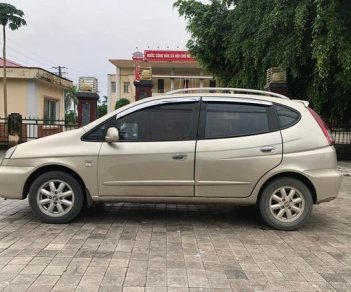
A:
(121, 102)
(71, 98)
(70, 118)
(102, 108)
(11, 16)
(238, 40)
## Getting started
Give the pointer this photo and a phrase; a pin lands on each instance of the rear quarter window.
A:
(287, 117)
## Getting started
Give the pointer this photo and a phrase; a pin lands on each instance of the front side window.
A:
(170, 122)
(234, 119)
(98, 134)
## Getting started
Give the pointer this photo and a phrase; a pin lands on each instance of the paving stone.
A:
(235, 274)
(33, 269)
(16, 288)
(54, 270)
(12, 269)
(65, 288)
(41, 260)
(40, 288)
(177, 282)
(20, 260)
(23, 280)
(46, 280)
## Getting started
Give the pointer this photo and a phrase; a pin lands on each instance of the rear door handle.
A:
(267, 149)
(179, 156)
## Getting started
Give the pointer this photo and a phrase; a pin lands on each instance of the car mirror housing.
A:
(112, 135)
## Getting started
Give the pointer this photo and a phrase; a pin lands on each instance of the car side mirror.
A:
(112, 135)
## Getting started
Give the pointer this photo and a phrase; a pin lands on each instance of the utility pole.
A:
(60, 70)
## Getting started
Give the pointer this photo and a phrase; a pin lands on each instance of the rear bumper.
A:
(12, 180)
(327, 183)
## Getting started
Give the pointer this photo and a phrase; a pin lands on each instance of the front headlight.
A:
(8, 154)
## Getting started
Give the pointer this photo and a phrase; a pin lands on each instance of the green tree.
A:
(70, 118)
(13, 17)
(238, 40)
(121, 102)
(102, 108)
(71, 99)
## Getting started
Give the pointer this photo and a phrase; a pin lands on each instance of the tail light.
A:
(323, 126)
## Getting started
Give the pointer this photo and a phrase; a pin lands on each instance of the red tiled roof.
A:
(9, 63)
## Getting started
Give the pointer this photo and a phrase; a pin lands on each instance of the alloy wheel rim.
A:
(287, 204)
(55, 198)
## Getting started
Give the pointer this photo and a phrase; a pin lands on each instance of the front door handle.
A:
(179, 156)
(267, 149)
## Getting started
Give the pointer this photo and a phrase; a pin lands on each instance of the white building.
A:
(169, 70)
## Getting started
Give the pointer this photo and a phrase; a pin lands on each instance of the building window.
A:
(126, 87)
(113, 86)
(51, 110)
(161, 85)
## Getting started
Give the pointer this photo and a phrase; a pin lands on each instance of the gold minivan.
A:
(192, 146)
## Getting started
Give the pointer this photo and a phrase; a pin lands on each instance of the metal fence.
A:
(341, 132)
(4, 137)
(33, 128)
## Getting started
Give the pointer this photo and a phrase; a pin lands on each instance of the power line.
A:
(34, 54)
(35, 57)
(32, 59)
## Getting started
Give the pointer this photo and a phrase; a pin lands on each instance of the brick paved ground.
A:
(133, 247)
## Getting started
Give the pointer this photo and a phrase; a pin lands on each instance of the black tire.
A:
(58, 198)
(270, 207)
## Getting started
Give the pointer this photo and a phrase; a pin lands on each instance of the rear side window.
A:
(287, 117)
(234, 119)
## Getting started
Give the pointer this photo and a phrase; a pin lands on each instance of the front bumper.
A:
(12, 180)
(327, 183)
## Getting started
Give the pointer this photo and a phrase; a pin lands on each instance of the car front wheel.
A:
(56, 197)
(286, 203)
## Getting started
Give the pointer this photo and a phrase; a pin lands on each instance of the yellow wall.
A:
(16, 96)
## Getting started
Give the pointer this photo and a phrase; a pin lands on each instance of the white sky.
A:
(83, 35)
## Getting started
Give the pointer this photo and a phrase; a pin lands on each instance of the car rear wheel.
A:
(56, 197)
(286, 204)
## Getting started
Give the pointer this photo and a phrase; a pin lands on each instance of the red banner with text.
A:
(168, 56)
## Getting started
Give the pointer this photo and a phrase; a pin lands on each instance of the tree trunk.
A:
(4, 59)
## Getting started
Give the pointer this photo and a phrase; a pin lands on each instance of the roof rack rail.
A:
(227, 90)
